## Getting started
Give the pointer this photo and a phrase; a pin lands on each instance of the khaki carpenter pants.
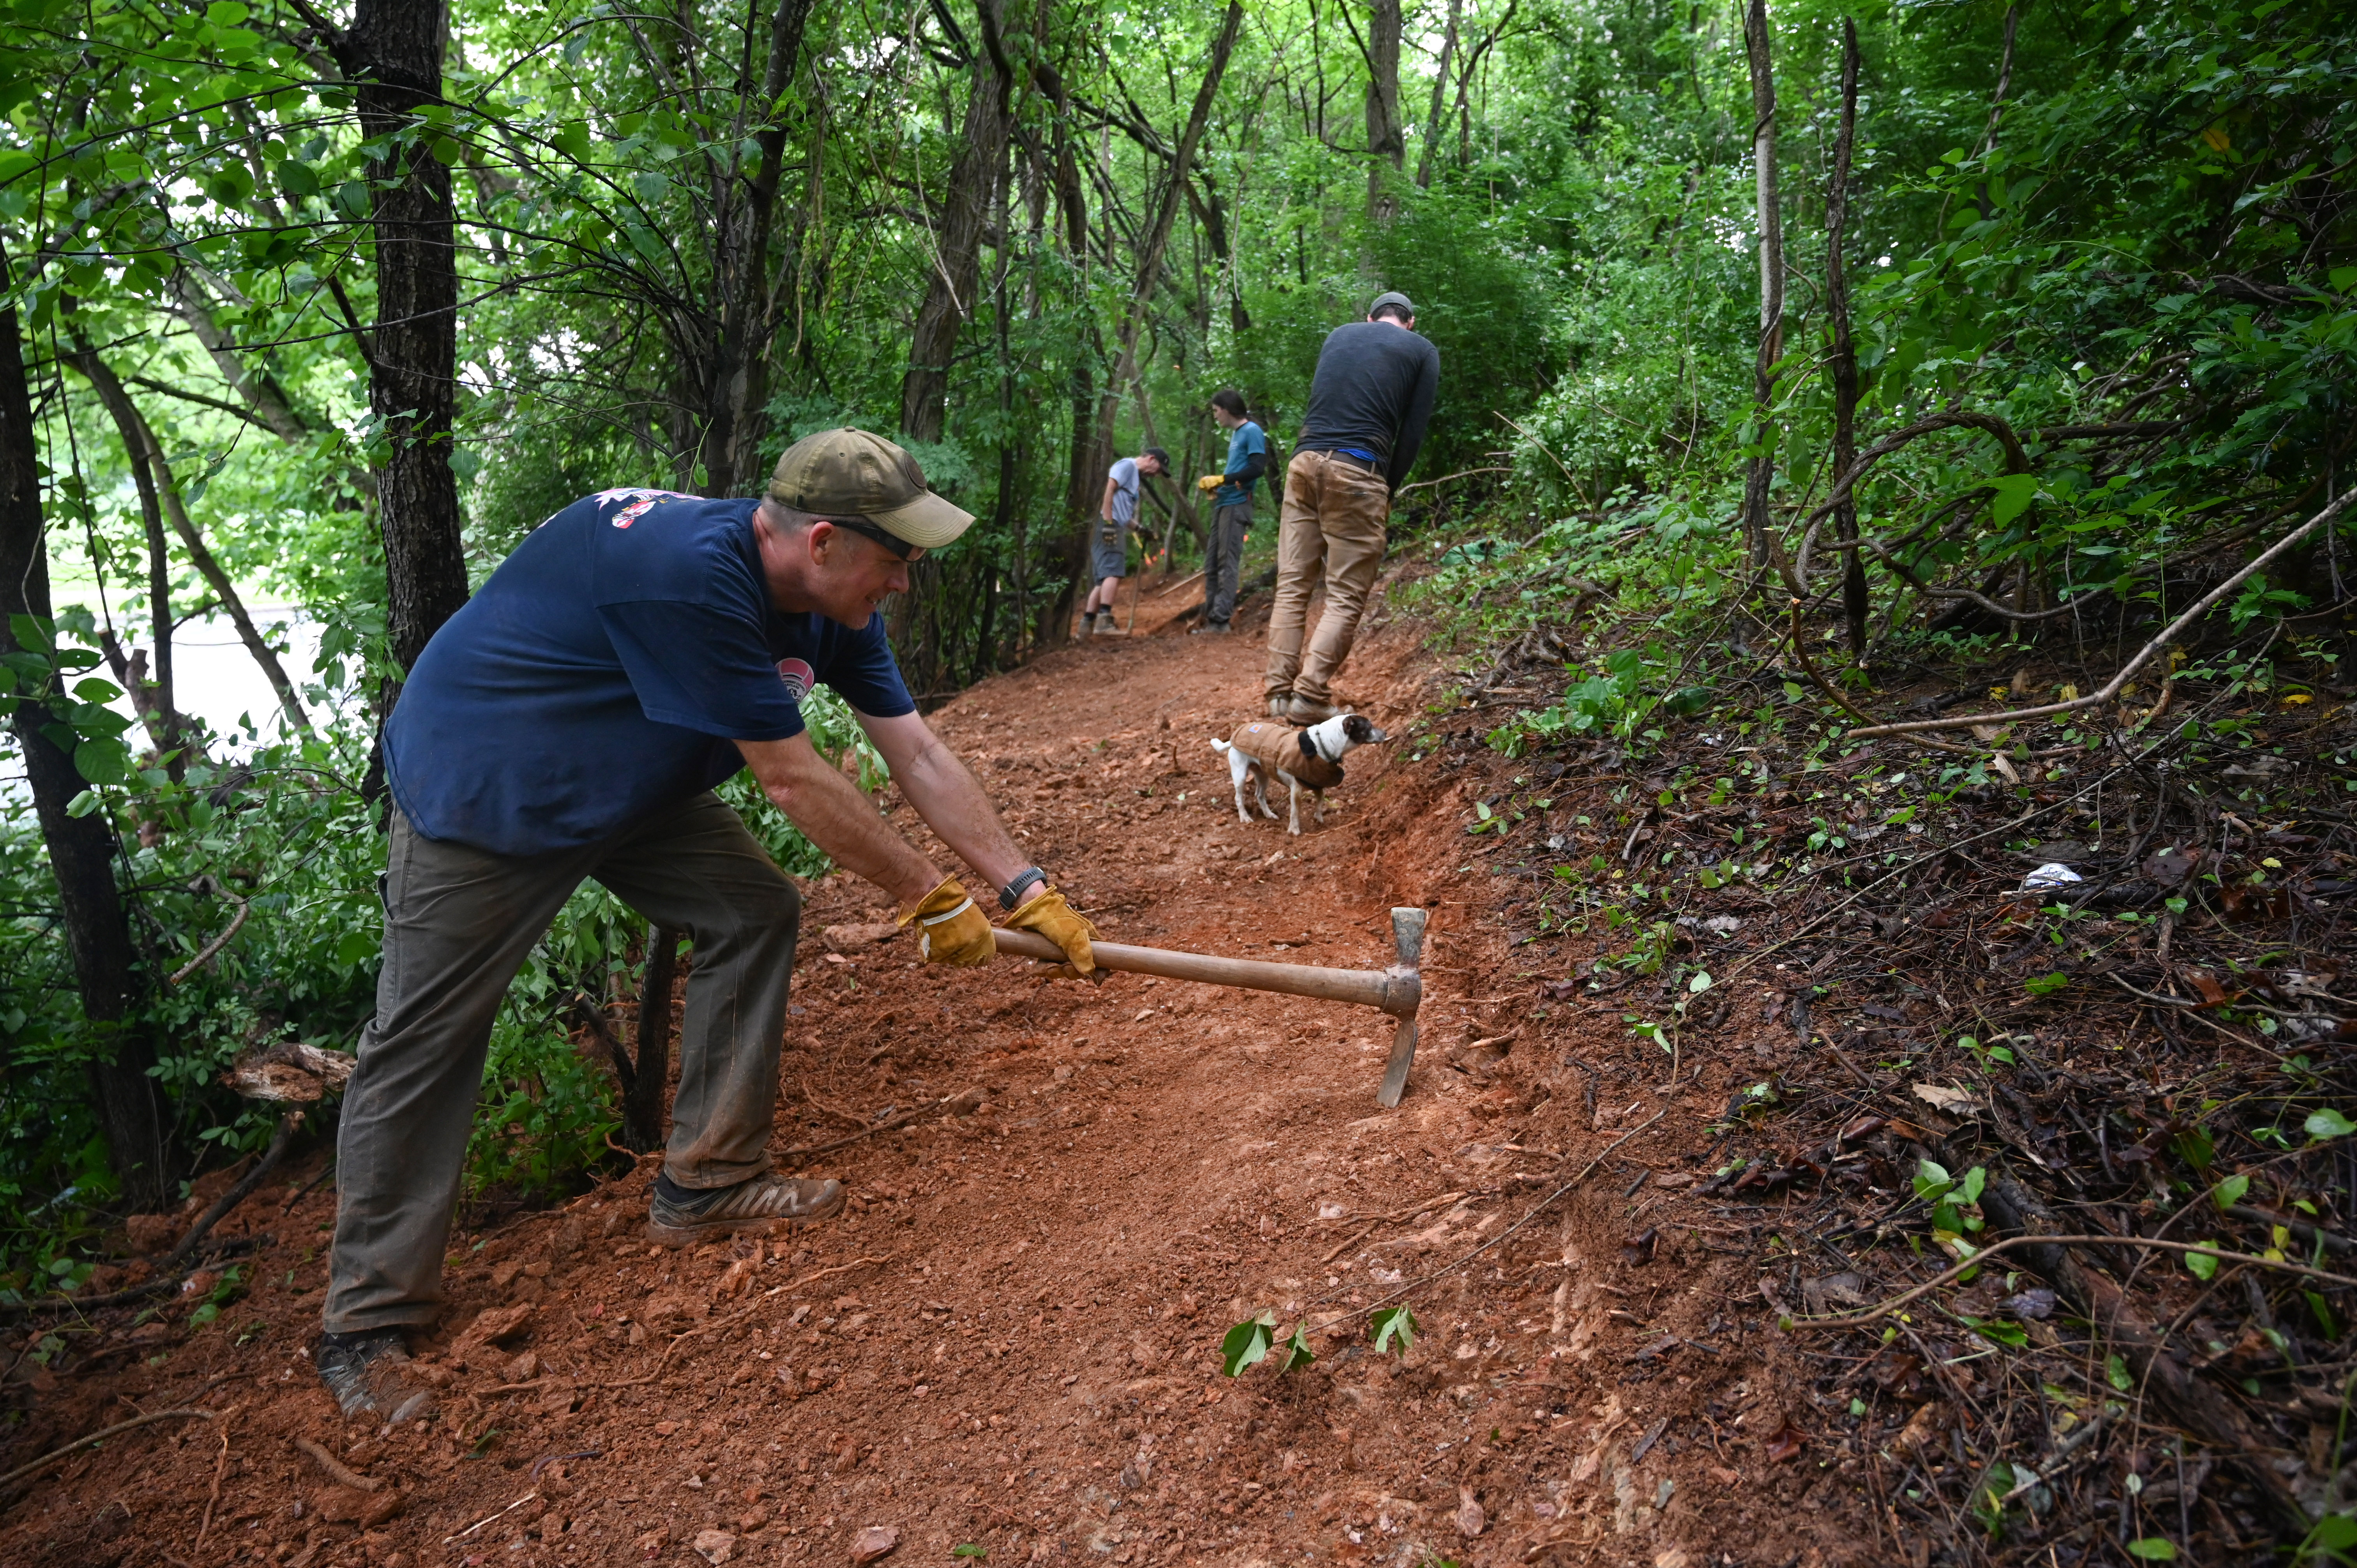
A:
(458, 922)
(1335, 513)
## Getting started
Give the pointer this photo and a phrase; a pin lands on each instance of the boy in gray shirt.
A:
(1109, 541)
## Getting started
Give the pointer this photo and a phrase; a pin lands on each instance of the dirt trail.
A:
(1011, 1345)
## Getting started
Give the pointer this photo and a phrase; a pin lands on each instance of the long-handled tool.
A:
(1399, 991)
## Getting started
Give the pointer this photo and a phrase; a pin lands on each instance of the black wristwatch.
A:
(1012, 893)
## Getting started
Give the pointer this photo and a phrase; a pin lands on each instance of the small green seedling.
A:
(1394, 1329)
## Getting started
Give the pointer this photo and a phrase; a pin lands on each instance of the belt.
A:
(1372, 465)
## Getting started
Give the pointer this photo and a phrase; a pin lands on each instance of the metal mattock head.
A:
(1407, 931)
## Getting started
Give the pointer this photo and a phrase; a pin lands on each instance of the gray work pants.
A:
(459, 923)
(1223, 559)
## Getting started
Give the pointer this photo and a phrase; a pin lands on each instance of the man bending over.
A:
(1109, 549)
(570, 722)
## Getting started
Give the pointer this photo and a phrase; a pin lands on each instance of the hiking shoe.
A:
(677, 1215)
(1279, 704)
(1211, 628)
(1304, 710)
(367, 1374)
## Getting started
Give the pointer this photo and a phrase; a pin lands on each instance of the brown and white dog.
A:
(1307, 759)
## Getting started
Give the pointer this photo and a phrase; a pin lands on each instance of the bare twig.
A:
(2144, 655)
(220, 1470)
(205, 953)
(1876, 1314)
(100, 1435)
(488, 1518)
(923, 1112)
(235, 1195)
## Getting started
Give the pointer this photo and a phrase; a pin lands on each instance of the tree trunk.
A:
(393, 55)
(1756, 520)
(1084, 470)
(956, 274)
(1155, 240)
(1386, 146)
(642, 1105)
(82, 849)
(1845, 351)
(153, 473)
(737, 388)
(155, 705)
(1430, 154)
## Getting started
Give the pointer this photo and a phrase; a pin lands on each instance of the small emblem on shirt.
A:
(640, 502)
(798, 676)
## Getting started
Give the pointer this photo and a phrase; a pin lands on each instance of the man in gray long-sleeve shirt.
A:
(1369, 405)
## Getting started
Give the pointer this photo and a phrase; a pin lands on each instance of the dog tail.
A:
(1222, 747)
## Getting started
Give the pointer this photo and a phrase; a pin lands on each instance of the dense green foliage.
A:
(2153, 233)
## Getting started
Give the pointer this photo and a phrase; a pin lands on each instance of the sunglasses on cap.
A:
(867, 530)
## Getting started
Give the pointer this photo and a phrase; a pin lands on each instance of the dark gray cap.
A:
(1392, 298)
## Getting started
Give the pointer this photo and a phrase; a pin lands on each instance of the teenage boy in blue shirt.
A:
(1231, 508)
(569, 722)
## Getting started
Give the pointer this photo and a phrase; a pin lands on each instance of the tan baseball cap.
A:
(855, 474)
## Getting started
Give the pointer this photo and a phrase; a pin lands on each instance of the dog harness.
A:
(1282, 746)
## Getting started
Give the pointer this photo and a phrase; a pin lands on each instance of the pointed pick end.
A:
(1395, 1070)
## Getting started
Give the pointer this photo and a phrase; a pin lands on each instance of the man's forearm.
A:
(832, 813)
(950, 799)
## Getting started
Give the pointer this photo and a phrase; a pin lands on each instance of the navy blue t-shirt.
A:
(604, 673)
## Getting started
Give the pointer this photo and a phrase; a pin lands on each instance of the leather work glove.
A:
(951, 928)
(1210, 482)
(1047, 913)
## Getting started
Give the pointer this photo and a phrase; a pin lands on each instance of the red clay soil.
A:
(1010, 1344)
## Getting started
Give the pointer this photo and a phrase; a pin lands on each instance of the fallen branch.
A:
(102, 1434)
(1876, 1314)
(2203, 1410)
(235, 1195)
(161, 1286)
(2144, 655)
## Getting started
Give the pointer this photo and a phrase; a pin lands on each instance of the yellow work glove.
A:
(1047, 913)
(1210, 482)
(951, 928)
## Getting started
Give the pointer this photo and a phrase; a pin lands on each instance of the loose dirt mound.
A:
(1011, 1344)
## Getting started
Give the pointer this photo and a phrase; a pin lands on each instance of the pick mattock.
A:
(1399, 991)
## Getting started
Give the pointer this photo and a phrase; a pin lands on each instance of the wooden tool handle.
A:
(1396, 991)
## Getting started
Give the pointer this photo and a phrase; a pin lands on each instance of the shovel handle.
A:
(1395, 991)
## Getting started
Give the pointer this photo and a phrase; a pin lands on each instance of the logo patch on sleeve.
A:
(798, 676)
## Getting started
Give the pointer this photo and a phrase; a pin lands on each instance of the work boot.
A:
(1280, 704)
(367, 1373)
(677, 1215)
(1304, 710)
(1211, 628)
